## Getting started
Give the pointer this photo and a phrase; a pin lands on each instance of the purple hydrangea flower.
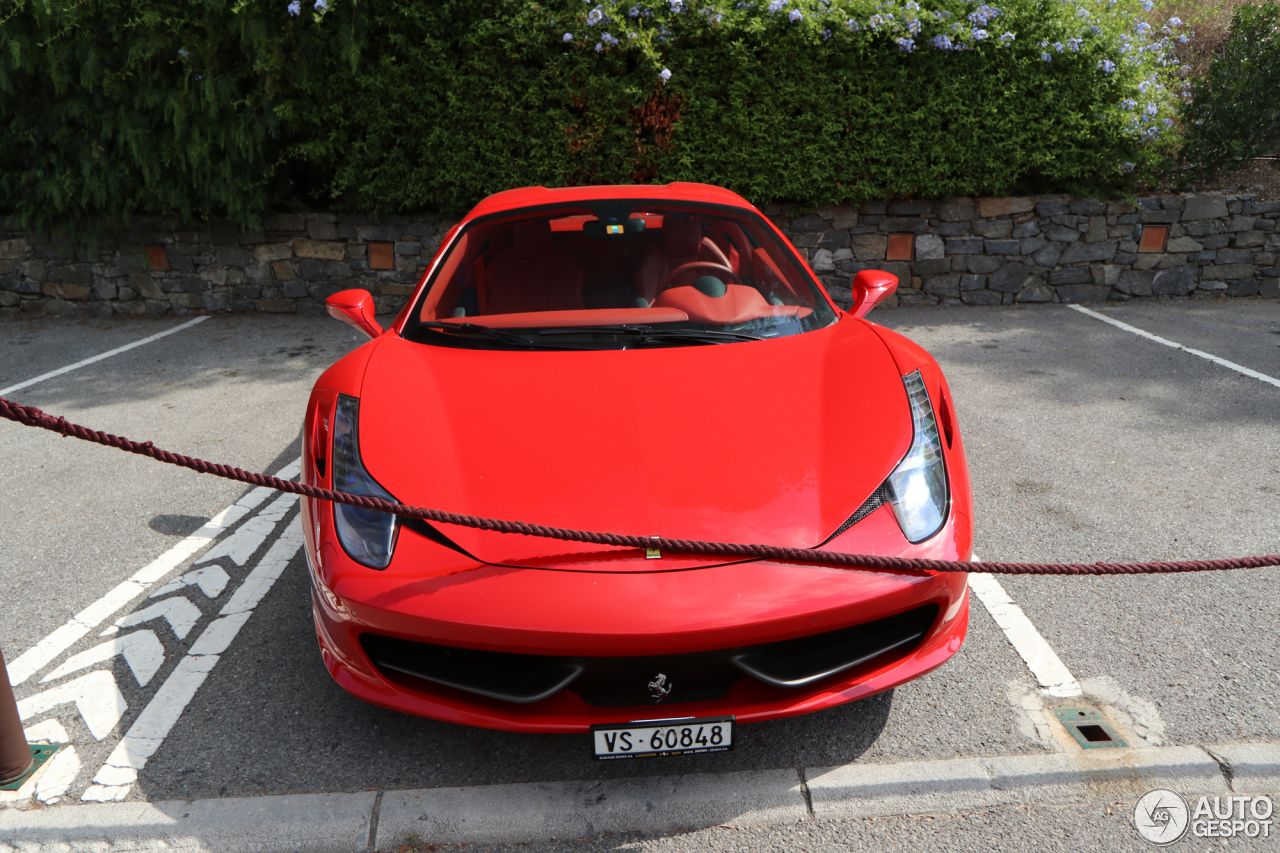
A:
(1147, 5)
(321, 6)
(1175, 22)
(795, 15)
(1106, 66)
(595, 16)
(913, 6)
(906, 45)
(1151, 109)
(913, 26)
(568, 37)
(665, 75)
(941, 43)
(853, 25)
(1128, 104)
(295, 8)
(1007, 37)
(825, 35)
(776, 6)
(609, 39)
(980, 34)
(1058, 46)
(677, 5)
(1047, 57)
(1073, 45)
(633, 12)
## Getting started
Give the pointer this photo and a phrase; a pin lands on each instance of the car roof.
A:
(534, 196)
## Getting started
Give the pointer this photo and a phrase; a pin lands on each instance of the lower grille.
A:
(624, 681)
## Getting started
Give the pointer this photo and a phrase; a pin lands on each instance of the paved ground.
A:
(1086, 442)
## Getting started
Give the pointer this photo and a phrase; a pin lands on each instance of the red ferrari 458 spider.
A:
(645, 360)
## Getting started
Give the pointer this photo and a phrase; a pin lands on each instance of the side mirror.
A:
(870, 288)
(355, 308)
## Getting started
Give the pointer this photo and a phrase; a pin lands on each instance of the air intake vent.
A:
(623, 681)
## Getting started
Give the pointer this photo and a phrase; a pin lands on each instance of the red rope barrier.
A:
(31, 416)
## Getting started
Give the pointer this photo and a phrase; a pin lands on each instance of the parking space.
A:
(1091, 443)
(81, 518)
(1086, 443)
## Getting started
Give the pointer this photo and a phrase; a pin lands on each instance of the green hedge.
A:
(1234, 113)
(228, 107)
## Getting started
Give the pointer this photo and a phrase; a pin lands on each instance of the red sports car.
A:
(645, 360)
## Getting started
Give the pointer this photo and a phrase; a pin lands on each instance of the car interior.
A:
(647, 266)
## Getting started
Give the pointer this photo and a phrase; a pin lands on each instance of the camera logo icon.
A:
(1161, 816)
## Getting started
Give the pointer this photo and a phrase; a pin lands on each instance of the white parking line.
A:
(1231, 365)
(1050, 672)
(99, 357)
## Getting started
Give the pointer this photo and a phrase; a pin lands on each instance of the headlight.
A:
(366, 535)
(918, 486)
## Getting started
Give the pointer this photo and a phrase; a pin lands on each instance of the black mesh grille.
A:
(878, 498)
(624, 681)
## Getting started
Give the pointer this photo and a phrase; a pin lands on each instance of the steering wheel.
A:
(702, 265)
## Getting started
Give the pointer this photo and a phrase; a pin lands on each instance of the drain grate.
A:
(40, 753)
(1089, 728)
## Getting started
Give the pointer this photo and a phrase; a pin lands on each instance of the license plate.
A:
(647, 738)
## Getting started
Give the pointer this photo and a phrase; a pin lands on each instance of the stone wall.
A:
(986, 251)
(290, 267)
(997, 251)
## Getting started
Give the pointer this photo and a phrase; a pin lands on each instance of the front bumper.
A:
(435, 596)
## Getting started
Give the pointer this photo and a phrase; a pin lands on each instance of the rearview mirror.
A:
(355, 308)
(870, 288)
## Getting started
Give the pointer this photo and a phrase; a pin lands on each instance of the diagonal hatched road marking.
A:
(97, 696)
(145, 736)
(42, 653)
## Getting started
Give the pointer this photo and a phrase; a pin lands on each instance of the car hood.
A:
(773, 442)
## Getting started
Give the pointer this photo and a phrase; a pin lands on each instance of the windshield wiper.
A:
(650, 334)
(475, 330)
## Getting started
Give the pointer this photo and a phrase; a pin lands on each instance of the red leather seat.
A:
(532, 274)
(681, 239)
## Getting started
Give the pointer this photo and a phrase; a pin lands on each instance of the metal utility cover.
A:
(40, 753)
(1089, 728)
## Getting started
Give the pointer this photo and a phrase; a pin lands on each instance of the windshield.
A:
(617, 274)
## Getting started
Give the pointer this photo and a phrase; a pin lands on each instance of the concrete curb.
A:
(1252, 768)
(342, 823)
(947, 786)
(312, 822)
(498, 813)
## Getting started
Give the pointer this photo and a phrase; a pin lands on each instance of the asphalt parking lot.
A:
(1086, 442)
